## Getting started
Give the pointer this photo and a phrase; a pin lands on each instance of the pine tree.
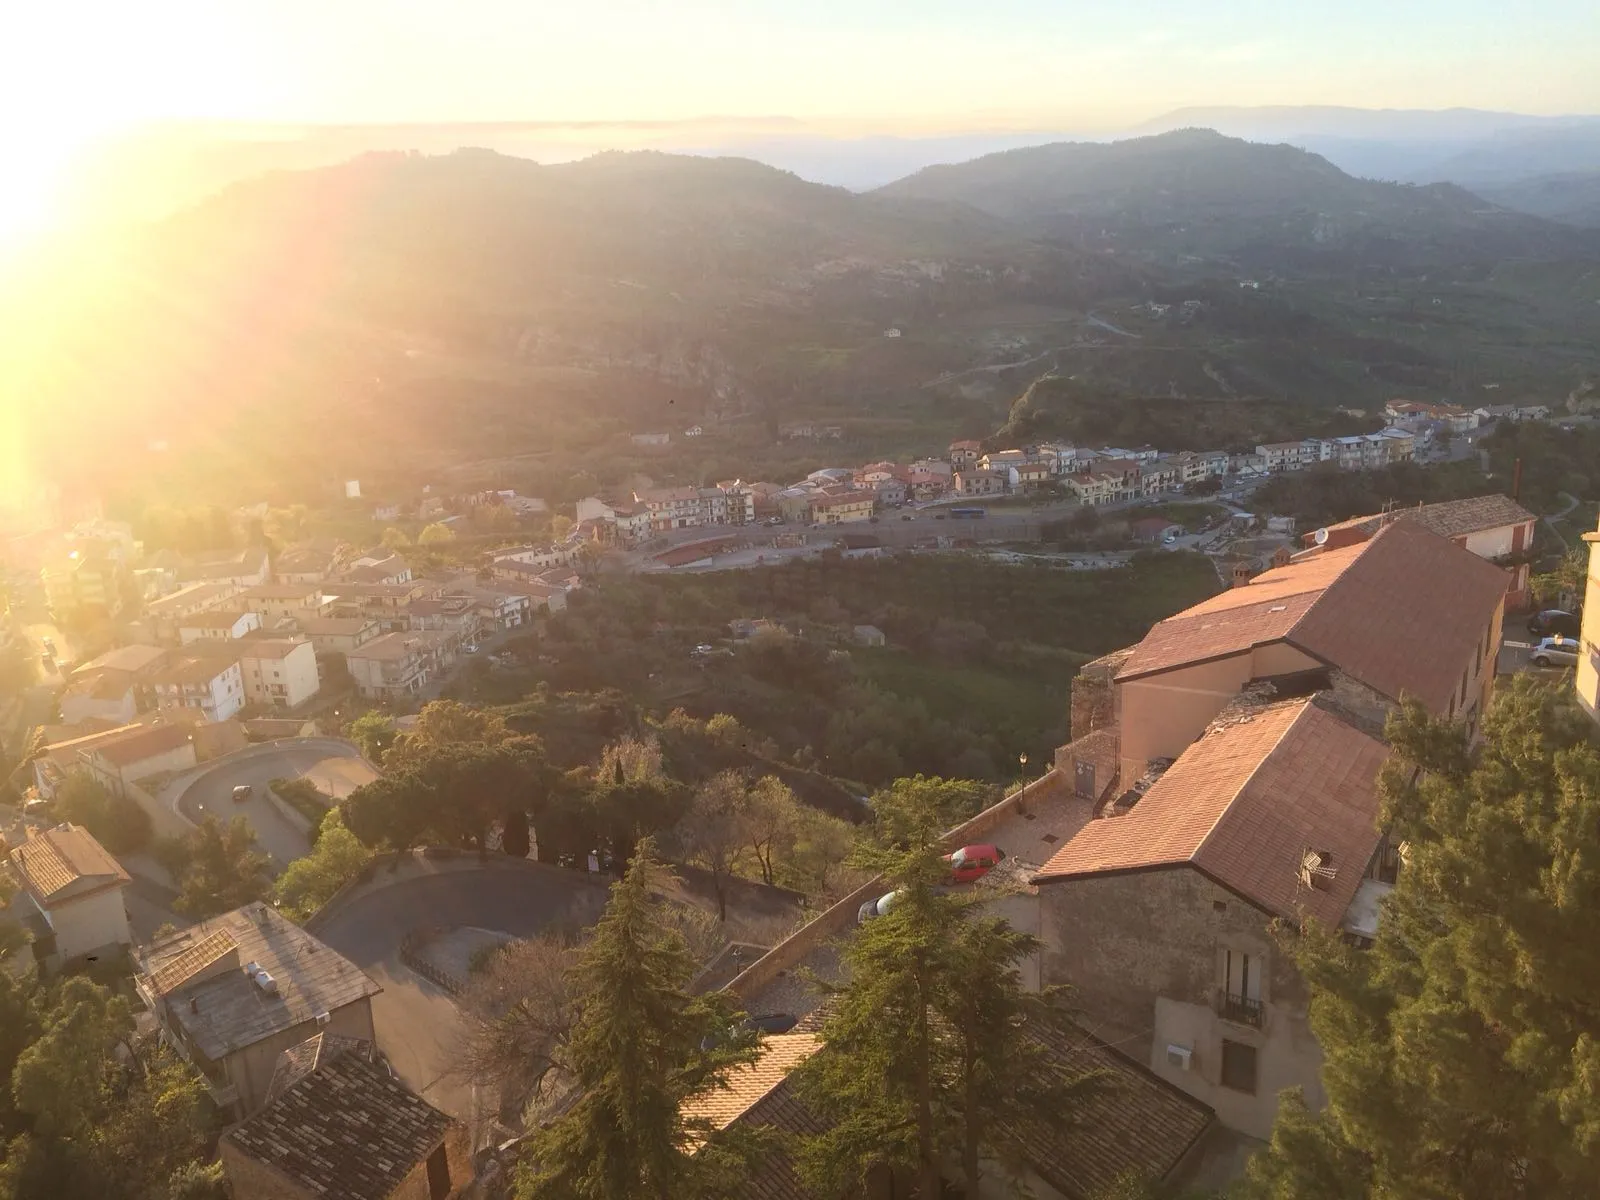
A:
(637, 1053)
(1462, 1051)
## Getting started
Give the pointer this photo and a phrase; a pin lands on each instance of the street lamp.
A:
(1022, 762)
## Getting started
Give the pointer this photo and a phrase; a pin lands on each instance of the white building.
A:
(217, 626)
(279, 672)
(75, 887)
(211, 685)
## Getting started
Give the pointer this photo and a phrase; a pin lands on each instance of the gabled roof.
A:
(132, 659)
(65, 863)
(1448, 518)
(295, 1063)
(142, 742)
(349, 1129)
(1243, 804)
(1401, 613)
(750, 1082)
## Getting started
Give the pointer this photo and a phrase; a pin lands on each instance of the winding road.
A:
(335, 767)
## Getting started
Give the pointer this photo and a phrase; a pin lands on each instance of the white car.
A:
(1556, 651)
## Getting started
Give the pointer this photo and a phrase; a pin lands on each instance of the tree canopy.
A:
(1462, 1050)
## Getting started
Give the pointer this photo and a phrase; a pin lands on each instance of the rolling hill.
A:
(1195, 194)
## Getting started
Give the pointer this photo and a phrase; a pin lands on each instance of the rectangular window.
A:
(1238, 1069)
(1241, 974)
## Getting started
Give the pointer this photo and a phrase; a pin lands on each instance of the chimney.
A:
(194, 1004)
(1241, 574)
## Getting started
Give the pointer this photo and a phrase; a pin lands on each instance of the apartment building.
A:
(217, 625)
(1095, 487)
(278, 672)
(209, 684)
(274, 602)
(672, 508)
(975, 481)
(337, 635)
(86, 583)
(965, 453)
(842, 508)
(397, 666)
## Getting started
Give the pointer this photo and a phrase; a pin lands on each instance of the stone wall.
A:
(1094, 695)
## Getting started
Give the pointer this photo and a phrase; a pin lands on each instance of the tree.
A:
(374, 733)
(225, 870)
(116, 822)
(1461, 1051)
(395, 538)
(437, 534)
(309, 882)
(916, 812)
(60, 1080)
(519, 1013)
(560, 526)
(443, 724)
(638, 1050)
(936, 1057)
(713, 831)
(771, 822)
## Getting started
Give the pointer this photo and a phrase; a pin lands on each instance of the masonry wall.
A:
(252, 1180)
(1094, 695)
(458, 1153)
(1143, 953)
(90, 925)
(250, 1069)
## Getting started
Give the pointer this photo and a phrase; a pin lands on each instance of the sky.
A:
(72, 70)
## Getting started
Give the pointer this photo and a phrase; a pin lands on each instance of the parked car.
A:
(973, 862)
(1558, 651)
(1555, 620)
(242, 793)
(875, 908)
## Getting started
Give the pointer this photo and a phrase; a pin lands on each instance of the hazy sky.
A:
(70, 65)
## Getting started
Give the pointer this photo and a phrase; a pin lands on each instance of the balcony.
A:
(1241, 1010)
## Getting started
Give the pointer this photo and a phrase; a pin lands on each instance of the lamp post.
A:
(1022, 762)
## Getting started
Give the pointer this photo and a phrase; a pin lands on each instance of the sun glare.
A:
(36, 174)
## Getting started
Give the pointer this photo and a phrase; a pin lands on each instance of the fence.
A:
(411, 944)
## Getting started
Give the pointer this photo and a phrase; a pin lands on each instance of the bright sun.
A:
(36, 171)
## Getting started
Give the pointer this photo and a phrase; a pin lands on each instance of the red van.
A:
(973, 862)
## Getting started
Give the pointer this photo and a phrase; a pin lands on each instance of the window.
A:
(1241, 974)
(439, 1174)
(1238, 1072)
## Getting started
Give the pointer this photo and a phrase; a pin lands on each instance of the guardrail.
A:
(409, 947)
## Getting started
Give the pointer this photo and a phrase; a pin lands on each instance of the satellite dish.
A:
(1320, 537)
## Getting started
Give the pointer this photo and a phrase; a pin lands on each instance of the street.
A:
(334, 767)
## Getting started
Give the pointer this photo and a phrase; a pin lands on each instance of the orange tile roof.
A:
(747, 1084)
(1244, 804)
(1402, 613)
(51, 862)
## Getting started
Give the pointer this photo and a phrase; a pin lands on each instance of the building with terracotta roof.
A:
(236, 990)
(71, 889)
(965, 453)
(1493, 527)
(1159, 916)
(99, 695)
(223, 624)
(1134, 1124)
(210, 684)
(339, 1124)
(1404, 614)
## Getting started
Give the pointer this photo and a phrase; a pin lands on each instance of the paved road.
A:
(417, 1023)
(332, 766)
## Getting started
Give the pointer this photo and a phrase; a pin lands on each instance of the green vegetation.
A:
(305, 797)
(217, 867)
(88, 1108)
(640, 1046)
(1460, 1050)
(337, 857)
(116, 822)
(1324, 494)
(929, 1062)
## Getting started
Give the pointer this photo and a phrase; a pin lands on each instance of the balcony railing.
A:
(1241, 1009)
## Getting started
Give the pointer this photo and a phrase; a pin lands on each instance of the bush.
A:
(306, 798)
(116, 822)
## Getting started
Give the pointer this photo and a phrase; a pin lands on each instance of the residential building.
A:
(1283, 456)
(1405, 614)
(116, 757)
(542, 557)
(234, 991)
(927, 485)
(1095, 487)
(137, 660)
(1004, 460)
(450, 612)
(713, 506)
(1029, 476)
(381, 565)
(309, 562)
(794, 504)
(338, 1123)
(828, 477)
(99, 695)
(1270, 815)
(1193, 466)
(166, 613)
(241, 568)
(975, 481)
(841, 508)
(933, 466)
(337, 635)
(274, 602)
(740, 498)
(890, 493)
(1158, 476)
(867, 635)
(650, 439)
(672, 508)
(499, 607)
(633, 523)
(965, 454)
(397, 666)
(1493, 527)
(278, 672)
(85, 584)
(217, 625)
(70, 897)
(1247, 465)
(1488, 413)
(542, 596)
(382, 602)
(209, 684)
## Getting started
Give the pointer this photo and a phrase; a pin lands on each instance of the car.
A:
(973, 862)
(906, 517)
(1170, 540)
(242, 793)
(470, 648)
(872, 520)
(1555, 620)
(938, 516)
(1557, 651)
(875, 908)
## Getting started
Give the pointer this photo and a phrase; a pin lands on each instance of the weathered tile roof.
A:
(748, 1083)
(176, 971)
(1449, 518)
(1133, 1123)
(224, 1011)
(1402, 613)
(347, 1130)
(142, 743)
(1244, 804)
(295, 1063)
(60, 863)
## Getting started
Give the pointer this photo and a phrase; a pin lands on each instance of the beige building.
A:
(209, 684)
(842, 508)
(339, 1124)
(274, 602)
(235, 991)
(397, 666)
(1159, 916)
(99, 696)
(975, 481)
(218, 625)
(337, 635)
(278, 672)
(116, 757)
(1405, 614)
(73, 891)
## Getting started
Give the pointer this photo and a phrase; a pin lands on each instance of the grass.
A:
(1007, 697)
(1188, 513)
